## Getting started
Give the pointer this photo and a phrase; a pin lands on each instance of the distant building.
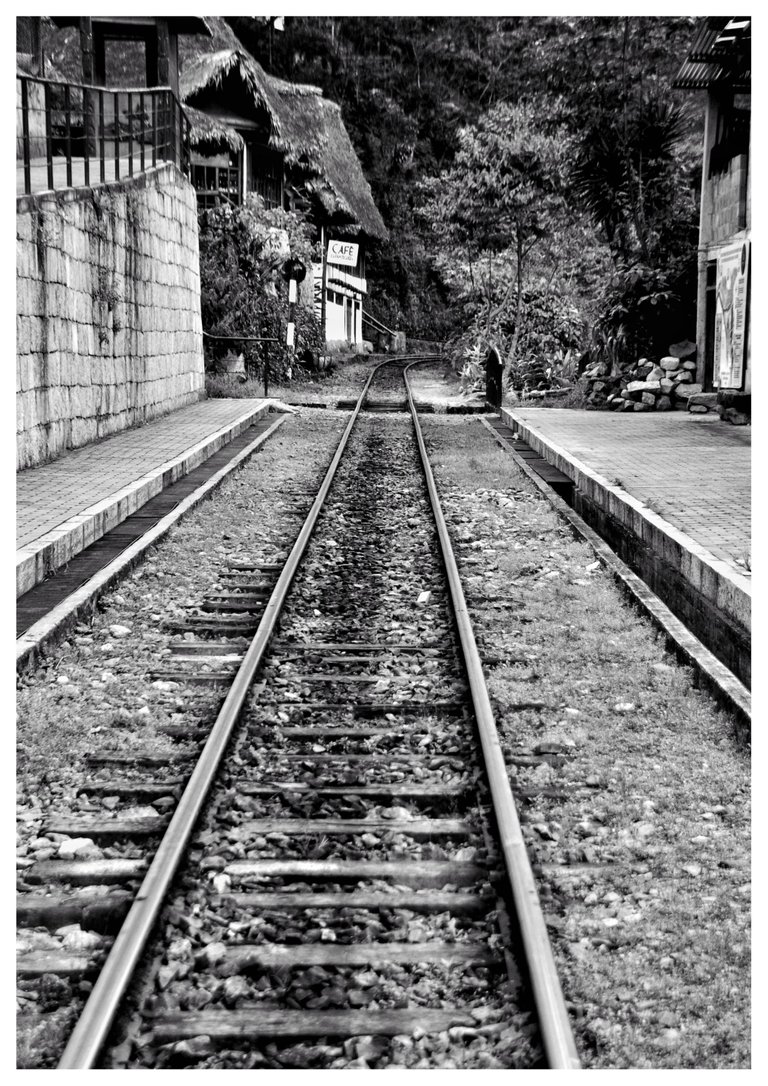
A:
(719, 62)
(254, 133)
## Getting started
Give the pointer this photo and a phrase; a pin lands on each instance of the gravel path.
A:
(642, 822)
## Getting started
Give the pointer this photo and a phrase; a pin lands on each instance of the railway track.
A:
(333, 873)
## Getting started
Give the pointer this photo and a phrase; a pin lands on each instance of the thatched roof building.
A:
(224, 88)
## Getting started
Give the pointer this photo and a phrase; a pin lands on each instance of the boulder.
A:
(670, 364)
(736, 418)
(656, 374)
(664, 403)
(690, 366)
(684, 377)
(705, 399)
(642, 407)
(684, 349)
(617, 403)
(628, 405)
(367, 346)
(638, 389)
(666, 385)
(698, 409)
(649, 398)
(684, 392)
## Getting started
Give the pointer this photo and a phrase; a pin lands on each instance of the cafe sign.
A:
(343, 252)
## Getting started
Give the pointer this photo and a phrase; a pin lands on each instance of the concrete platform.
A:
(64, 506)
(678, 485)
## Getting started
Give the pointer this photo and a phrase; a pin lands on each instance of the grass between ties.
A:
(643, 819)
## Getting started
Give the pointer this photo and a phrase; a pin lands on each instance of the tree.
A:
(243, 251)
(503, 195)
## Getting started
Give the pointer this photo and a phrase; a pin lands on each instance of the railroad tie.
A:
(240, 957)
(398, 791)
(456, 902)
(270, 1025)
(85, 872)
(414, 873)
(428, 828)
(108, 828)
(93, 912)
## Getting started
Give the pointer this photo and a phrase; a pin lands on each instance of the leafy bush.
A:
(243, 293)
(548, 343)
(641, 311)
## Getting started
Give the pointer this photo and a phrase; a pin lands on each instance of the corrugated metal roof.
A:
(720, 53)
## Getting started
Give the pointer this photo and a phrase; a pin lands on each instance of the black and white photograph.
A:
(383, 541)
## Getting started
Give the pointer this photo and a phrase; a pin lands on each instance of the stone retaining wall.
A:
(108, 322)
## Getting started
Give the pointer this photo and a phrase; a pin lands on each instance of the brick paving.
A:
(694, 469)
(48, 495)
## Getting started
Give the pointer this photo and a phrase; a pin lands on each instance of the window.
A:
(216, 180)
(265, 174)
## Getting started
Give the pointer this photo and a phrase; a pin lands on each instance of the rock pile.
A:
(667, 385)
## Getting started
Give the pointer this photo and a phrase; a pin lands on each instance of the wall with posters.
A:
(731, 317)
(722, 334)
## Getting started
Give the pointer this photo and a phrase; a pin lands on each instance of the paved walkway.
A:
(694, 469)
(49, 495)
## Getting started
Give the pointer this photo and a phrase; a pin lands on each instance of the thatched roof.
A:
(208, 134)
(306, 127)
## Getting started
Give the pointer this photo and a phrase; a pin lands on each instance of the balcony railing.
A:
(69, 134)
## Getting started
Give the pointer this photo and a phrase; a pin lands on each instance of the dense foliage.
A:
(243, 251)
(427, 100)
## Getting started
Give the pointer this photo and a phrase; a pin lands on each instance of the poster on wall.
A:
(731, 314)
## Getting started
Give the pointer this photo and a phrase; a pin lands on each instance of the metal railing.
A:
(73, 134)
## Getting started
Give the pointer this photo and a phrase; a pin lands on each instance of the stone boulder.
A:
(703, 399)
(684, 349)
(684, 392)
(670, 363)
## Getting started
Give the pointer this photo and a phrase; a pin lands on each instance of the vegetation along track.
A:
(343, 880)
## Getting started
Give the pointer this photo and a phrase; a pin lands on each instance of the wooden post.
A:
(86, 48)
(322, 286)
(163, 54)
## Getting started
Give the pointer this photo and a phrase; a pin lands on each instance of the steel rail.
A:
(555, 1027)
(93, 1025)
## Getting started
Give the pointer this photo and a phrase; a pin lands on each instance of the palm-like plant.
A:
(625, 173)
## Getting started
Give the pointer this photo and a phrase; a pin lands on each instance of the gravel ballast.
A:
(94, 691)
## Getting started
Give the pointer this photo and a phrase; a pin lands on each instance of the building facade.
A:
(254, 133)
(719, 64)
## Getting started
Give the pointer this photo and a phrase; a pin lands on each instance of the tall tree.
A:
(503, 193)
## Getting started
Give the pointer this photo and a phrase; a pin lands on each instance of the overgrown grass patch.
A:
(649, 902)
